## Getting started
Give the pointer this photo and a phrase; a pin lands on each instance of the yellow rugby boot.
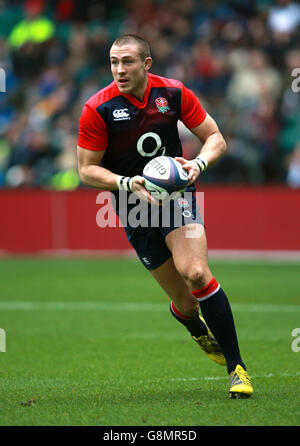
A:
(240, 384)
(210, 346)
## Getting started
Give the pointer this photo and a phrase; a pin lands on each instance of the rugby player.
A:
(122, 127)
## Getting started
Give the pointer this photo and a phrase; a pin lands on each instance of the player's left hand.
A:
(191, 168)
(138, 187)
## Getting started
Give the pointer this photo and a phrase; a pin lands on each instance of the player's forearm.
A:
(98, 177)
(213, 148)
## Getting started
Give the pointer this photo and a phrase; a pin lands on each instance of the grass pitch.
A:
(92, 343)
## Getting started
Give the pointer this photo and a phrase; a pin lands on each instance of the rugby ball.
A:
(165, 178)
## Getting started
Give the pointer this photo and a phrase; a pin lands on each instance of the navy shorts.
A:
(149, 242)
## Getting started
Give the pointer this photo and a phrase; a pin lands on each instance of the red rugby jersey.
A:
(132, 132)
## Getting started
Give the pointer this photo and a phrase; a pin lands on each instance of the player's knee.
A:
(195, 276)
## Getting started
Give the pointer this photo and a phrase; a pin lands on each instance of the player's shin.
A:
(201, 335)
(194, 325)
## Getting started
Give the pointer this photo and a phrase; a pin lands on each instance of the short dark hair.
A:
(144, 47)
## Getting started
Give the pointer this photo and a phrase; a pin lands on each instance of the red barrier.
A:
(256, 218)
(236, 218)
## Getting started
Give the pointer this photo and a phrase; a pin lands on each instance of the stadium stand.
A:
(238, 56)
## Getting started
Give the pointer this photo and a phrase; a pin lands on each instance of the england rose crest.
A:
(183, 202)
(162, 105)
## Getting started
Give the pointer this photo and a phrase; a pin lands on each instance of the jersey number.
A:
(158, 142)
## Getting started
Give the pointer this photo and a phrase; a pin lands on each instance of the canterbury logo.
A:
(121, 114)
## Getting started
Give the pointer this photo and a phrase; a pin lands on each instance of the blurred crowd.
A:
(239, 57)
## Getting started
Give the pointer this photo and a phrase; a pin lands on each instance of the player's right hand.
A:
(137, 185)
(191, 167)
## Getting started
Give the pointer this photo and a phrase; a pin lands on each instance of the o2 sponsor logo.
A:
(157, 141)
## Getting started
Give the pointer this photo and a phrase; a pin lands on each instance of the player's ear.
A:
(148, 63)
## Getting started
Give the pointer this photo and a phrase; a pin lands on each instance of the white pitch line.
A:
(266, 308)
(55, 381)
(133, 306)
(254, 255)
(217, 378)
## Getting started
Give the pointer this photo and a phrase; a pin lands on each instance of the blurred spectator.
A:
(33, 27)
(284, 17)
(253, 78)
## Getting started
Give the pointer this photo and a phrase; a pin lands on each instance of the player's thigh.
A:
(188, 246)
(175, 287)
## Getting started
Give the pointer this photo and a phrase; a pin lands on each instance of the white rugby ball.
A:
(165, 178)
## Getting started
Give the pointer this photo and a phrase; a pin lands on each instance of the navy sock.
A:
(218, 316)
(194, 325)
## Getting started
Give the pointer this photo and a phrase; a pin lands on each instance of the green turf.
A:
(72, 359)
